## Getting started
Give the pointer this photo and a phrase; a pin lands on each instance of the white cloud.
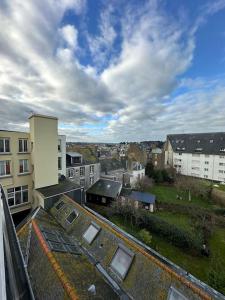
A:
(40, 71)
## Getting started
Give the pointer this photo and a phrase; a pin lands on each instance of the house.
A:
(71, 252)
(136, 173)
(200, 155)
(104, 191)
(141, 200)
(81, 172)
(31, 160)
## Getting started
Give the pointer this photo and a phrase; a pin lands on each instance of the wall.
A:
(16, 179)
(44, 137)
(62, 154)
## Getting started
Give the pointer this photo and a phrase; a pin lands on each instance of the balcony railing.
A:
(14, 280)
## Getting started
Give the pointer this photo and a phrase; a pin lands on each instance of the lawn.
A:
(169, 194)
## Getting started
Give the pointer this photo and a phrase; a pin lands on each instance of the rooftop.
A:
(206, 143)
(106, 188)
(143, 197)
(77, 254)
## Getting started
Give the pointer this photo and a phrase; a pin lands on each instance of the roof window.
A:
(174, 294)
(72, 216)
(91, 233)
(121, 261)
(211, 141)
(222, 149)
(59, 205)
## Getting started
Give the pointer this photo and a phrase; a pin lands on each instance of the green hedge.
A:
(173, 234)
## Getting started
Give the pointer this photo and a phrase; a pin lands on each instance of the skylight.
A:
(91, 233)
(72, 216)
(121, 261)
(174, 294)
(59, 205)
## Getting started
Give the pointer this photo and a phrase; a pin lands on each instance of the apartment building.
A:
(83, 173)
(199, 155)
(28, 160)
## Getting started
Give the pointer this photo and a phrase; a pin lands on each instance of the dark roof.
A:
(206, 143)
(106, 188)
(74, 154)
(62, 187)
(125, 192)
(143, 197)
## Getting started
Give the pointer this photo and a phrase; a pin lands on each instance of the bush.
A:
(175, 235)
(145, 236)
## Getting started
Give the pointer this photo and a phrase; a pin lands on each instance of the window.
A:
(195, 168)
(59, 145)
(4, 145)
(211, 141)
(206, 169)
(59, 205)
(222, 149)
(82, 182)
(82, 171)
(92, 169)
(91, 233)
(221, 164)
(23, 166)
(91, 180)
(23, 145)
(121, 261)
(59, 163)
(17, 195)
(206, 155)
(4, 167)
(71, 173)
(174, 294)
(206, 162)
(72, 216)
(205, 176)
(221, 171)
(222, 156)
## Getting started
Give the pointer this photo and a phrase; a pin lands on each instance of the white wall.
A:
(200, 165)
(62, 154)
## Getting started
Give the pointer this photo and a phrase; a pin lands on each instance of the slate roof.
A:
(105, 188)
(74, 154)
(58, 274)
(143, 197)
(62, 187)
(205, 143)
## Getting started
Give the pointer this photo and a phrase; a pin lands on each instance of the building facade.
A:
(29, 161)
(199, 155)
(81, 173)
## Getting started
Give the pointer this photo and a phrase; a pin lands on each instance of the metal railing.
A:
(14, 280)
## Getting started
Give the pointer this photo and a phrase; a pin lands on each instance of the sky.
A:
(113, 70)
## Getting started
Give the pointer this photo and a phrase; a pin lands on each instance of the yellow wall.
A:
(15, 179)
(44, 152)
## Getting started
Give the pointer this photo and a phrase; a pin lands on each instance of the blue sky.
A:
(114, 70)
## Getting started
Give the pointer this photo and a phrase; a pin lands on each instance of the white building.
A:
(136, 173)
(200, 155)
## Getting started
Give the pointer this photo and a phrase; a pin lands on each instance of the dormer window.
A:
(198, 141)
(211, 141)
(198, 149)
(222, 149)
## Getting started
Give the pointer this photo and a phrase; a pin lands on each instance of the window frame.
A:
(21, 190)
(96, 226)
(6, 173)
(23, 140)
(23, 164)
(126, 251)
(82, 174)
(77, 214)
(59, 163)
(172, 289)
(4, 139)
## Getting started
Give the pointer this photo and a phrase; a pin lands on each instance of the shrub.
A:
(145, 236)
(175, 235)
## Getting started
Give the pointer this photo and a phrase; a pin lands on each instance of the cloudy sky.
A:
(114, 70)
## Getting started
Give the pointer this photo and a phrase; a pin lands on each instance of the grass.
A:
(168, 194)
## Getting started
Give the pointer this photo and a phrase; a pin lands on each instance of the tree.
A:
(144, 184)
(149, 170)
